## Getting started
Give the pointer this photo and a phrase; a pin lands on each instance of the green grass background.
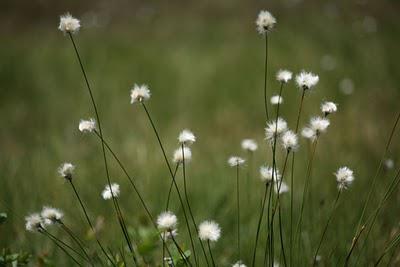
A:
(204, 65)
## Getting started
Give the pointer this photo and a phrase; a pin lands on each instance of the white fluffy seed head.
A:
(87, 126)
(265, 22)
(319, 125)
(274, 129)
(186, 137)
(344, 177)
(51, 215)
(66, 170)
(266, 174)
(289, 141)
(209, 231)
(140, 93)
(309, 133)
(179, 155)
(34, 222)
(239, 264)
(328, 108)
(306, 80)
(284, 76)
(107, 194)
(276, 99)
(281, 187)
(249, 145)
(69, 24)
(389, 164)
(235, 161)
(167, 221)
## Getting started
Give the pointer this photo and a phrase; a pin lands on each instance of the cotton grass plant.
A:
(278, 235)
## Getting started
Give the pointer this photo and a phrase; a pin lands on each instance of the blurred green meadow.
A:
(204, 65)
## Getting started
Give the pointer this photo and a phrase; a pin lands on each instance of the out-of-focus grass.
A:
(205, 74)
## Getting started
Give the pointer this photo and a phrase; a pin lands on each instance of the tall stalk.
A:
(131, 181)
(373, 185)
(305, 189)
(259, 222)
(238, 209)
(45, 233)
(64, 244)
(89, 221)
(291, 181)
(265, 78)
(274, 171)
(211, 255)
(326, 227)
(278, 206)
(173, 178)
(76, 240)
(188, 202)
(115, 201)
(393, 185)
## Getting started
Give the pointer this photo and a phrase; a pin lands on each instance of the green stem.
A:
(326, 227)
(90, 222)
(211, 255)
(61, 247)
(76, 240)
(102, 143)
(188, 203)
(292, 181)
(173, 178)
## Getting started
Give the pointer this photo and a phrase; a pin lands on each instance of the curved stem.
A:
(170, 187)
(62, 248)
(183, 256)
(173, 178)
(90, 222)
(292, 181)
(188, 203)
(265, 77)
(305, 189)
(259, 224)
(76, 240)
(119, 216)
(131, 181)
(238, 209)
(326, 227)
(376, 174)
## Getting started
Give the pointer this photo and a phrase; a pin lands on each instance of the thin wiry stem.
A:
(292, 181)
(119, 216)
(326, 227)
(173, 178)
(61, 247)
(378, 171)
(305, 189)
(265, 77)
(238, 209)
(89, 221)
(270, 222)
(170, 187)
(76, 240)
(211, 255)
(183, 256)
(392, 244)
(188, 203)
(259, 223)
(64, 244)
(277, 205)
(393, 185)
(131, 181)
(373, 185)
